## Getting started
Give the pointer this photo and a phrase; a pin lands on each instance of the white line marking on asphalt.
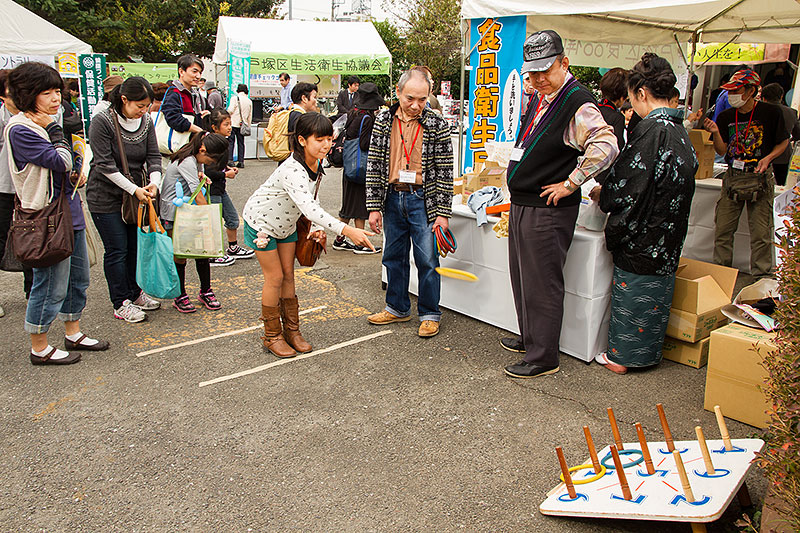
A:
(211, 338)
(298, 358)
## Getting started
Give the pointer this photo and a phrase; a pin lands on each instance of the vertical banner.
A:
(93, 71)
(495, 97)
(238, 64)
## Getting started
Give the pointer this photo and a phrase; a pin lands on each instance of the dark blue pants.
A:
(238, 139)
(119, 260)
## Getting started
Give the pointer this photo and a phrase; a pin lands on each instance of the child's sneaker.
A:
(182, 304)
(238, 252)
(223, 261)
(145, 303)
(209, 300)
(342, 244)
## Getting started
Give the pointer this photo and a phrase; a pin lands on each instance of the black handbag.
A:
(41, 238)
(10, 263)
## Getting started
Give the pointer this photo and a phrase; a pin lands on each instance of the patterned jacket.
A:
(437, 163)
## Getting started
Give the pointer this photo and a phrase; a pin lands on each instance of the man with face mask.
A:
(562, 142)
(751, 134)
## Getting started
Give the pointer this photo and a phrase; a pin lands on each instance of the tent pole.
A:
(461, 103)
(689, 76)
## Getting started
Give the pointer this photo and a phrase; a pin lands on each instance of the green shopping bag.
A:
(198, 230)
(155, 268)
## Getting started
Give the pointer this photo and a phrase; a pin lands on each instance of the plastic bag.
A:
(198, 231)
(156, 273)
(589, 214)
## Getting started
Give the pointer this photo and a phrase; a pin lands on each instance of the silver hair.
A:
(408, 75)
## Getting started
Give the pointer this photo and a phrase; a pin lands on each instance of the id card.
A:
(738, 165)
(516, 154)
(408, 176)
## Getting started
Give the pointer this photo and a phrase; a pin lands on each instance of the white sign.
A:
(512, 103)
(9, 61)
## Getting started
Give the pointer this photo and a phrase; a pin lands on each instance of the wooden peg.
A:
(698, 528)
(648, 461)
(623, 480)
(565, 472)
(687, 488)
(701, 440)
(615, 429)
(723, 428)
(665, 426)
(592, 451)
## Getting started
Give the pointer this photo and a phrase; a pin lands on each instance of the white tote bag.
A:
(169, 140)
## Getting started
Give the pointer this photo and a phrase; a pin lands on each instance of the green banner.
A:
(93, 72)
(152, 72)
(265, 63)
(238, 65)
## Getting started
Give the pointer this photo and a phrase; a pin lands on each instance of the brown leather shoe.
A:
(273, 339)
(385, 317)
(290, 316)
(428, 328)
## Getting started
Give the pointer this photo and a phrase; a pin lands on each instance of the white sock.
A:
(602, 358)
(86, 342)
(58, 354)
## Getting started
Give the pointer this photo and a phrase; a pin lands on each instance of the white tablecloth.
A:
(587, 280)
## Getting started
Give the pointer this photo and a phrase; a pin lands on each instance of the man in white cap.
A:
(563, 141)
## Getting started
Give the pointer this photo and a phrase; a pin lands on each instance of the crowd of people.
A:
(644, 165)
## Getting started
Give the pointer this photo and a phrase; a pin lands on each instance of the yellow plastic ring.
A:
(588, 479)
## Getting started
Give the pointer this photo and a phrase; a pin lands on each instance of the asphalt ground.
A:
(386, 433)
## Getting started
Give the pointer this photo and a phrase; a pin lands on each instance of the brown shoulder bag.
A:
(307, 250)
(130, 204)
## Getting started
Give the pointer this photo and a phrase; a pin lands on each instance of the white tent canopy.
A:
(652, 21)
(26, 33)
(310, 37)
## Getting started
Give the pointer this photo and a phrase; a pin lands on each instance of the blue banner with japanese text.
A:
(495, 96)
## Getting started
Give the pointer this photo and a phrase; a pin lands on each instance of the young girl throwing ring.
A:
(270, 217)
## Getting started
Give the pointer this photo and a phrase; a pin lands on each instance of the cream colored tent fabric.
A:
(652, 21)
(25, 33)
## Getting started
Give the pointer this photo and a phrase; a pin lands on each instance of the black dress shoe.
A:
(240, 164)
(513, 344)
(99, 346)
(524, 369)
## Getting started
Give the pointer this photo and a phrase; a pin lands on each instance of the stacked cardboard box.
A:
(701, 290)
(486, 173)
(704, 148)
(735, 375)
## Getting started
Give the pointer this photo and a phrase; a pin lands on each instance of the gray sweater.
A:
(141, 148)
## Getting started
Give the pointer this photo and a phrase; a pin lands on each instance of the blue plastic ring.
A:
(622, 452)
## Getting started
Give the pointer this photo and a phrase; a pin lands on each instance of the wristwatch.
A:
(569, 185)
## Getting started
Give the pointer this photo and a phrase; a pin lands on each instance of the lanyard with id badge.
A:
(408, 176)
(518, 151)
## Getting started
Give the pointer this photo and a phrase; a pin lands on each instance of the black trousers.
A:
(6, 215)
(238, 139)
(538, 242)
(781, 170)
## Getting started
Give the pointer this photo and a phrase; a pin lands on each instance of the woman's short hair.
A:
(613, 84)
(654, 73)
(28, 80)
(242, 88)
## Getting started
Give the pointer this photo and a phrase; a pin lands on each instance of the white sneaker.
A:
(130, 313)
(146, 303)
(2, 311)
(225, 260)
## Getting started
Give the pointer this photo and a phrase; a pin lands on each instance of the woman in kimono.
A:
(647, 196)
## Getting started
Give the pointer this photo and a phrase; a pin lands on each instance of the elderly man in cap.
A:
(750, 135)
(563, 141)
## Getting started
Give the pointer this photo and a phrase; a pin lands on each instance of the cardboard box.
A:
(704, 148)
(694, 354)
(488, 173)
(458, 186)
(701, 290)
(735, 374)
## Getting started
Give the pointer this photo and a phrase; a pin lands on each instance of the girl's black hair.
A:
(28, 80)
(135, 89)
(654, 73)
(215, 144)
(215, 118)
(308, 125)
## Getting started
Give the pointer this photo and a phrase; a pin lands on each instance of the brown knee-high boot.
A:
(290, 314)
(273, 338)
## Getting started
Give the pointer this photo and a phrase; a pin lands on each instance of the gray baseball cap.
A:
(540, 51)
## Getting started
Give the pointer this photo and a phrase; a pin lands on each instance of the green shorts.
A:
(250, 236)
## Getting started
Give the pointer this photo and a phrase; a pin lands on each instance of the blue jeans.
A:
(229, 213)
(119, 260)
(59, 290)
(405, 225)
